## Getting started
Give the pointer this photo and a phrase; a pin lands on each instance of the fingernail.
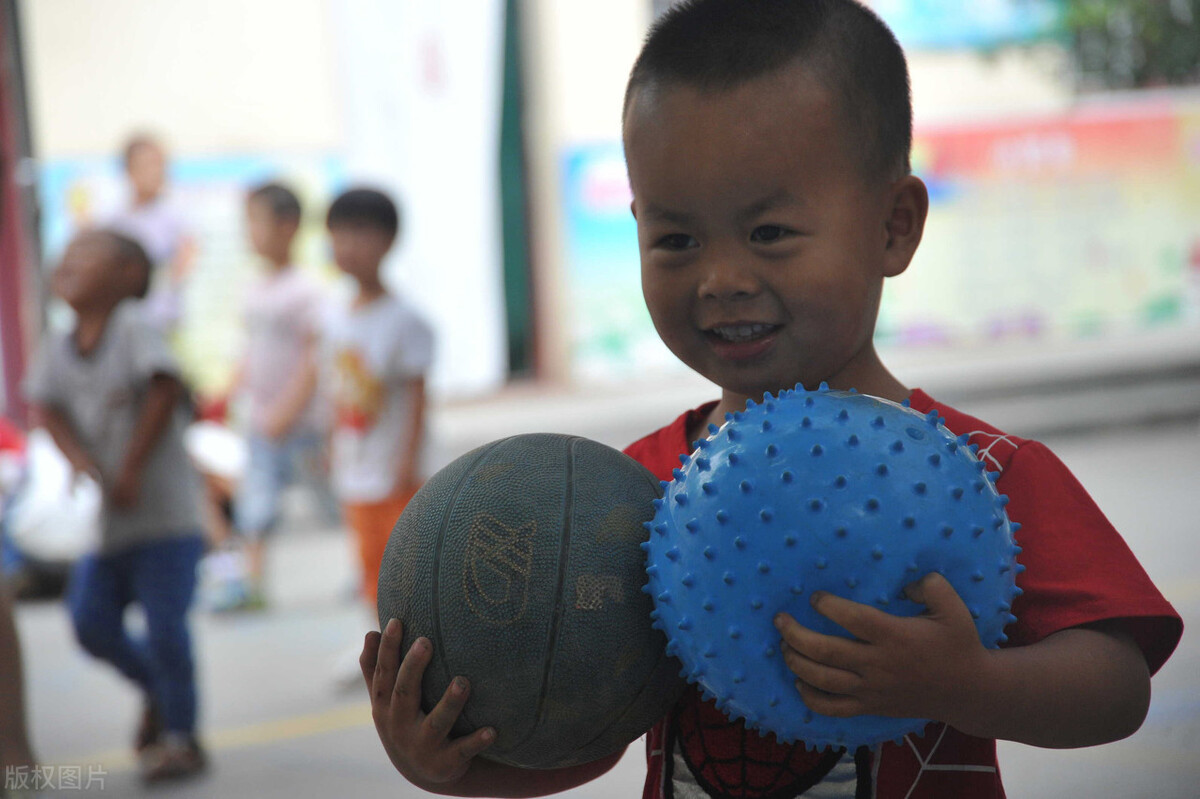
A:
(817, 596)
(489, 735)
(778, 621)
(420, 645)
(458, 685)
(391, 625)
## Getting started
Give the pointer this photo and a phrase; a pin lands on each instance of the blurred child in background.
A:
(277, 379)
(153, 221)
(378, 350)
(110, 395)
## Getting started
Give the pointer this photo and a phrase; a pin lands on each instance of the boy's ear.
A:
(908, 209)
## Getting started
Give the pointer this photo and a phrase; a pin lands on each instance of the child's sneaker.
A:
(174, 758)
(150, 729)
(239, 597)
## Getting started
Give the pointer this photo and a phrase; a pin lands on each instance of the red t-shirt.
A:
(1078, 570)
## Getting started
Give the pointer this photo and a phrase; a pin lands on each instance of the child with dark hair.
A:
(767, 146)
(110, 395)
(378, 351)
(277, 378)
(154, 221)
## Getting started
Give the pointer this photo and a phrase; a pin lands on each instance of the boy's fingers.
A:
(831, 650)
(827, 678)
(862, 621)
(407, 687)
(441, 719)
(369, 656)
(388, 660)
(468, 746)
(828, 704)
(934, 592)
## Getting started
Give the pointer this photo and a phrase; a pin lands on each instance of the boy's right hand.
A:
(419, 745)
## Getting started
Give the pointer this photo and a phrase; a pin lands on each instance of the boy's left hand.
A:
(125, 490)
(894, 666)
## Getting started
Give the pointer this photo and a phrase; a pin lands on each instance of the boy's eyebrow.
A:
(661, 214)
(777, 199)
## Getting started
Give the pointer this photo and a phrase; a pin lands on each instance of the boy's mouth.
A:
(741, 333)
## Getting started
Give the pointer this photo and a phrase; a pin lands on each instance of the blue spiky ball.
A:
(818, 491)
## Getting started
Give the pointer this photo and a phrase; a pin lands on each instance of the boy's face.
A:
(88, 274)
(359, 249)
(147, 169)
(763, 246)
(269, 236)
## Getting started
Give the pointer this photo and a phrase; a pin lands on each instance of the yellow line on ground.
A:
(258, 734)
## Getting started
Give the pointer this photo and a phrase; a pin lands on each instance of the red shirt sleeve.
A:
(1078, 568)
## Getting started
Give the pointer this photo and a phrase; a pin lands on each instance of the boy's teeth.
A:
(741, 332)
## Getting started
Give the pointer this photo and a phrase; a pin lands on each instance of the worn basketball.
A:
(521, 562)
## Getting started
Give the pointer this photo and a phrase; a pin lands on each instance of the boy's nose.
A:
(727, 278)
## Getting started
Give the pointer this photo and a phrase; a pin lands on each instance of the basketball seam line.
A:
(564, 554)
(448, 673)
(651, 685)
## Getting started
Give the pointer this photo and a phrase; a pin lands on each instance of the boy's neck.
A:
(369, 290)
(89, 327)
(867, 375)
(278, 262)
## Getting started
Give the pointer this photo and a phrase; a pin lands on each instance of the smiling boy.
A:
(767, 144)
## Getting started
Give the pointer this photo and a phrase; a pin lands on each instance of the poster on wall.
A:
(611, 333)
(1049, 230)
(981, 24)
(1056, 229)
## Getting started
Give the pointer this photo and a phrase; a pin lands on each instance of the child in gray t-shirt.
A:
(110, 394)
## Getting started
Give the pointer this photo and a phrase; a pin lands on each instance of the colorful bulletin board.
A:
(1046, 230)
(1055, 228)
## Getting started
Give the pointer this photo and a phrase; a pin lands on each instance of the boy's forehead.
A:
(795, 88)
(764, 131)
(94, 241)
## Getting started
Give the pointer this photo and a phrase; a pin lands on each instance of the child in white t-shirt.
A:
(277, 383)
(377, 350)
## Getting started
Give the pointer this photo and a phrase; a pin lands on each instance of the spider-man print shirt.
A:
(697, 752)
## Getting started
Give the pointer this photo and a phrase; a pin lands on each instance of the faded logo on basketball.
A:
(496, 569)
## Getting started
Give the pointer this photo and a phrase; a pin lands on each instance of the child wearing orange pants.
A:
(372, 523)
(377, 350)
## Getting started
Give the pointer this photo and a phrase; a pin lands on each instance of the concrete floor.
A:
(276, 727)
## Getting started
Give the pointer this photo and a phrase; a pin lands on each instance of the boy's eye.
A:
(676, 241)
(768, 233)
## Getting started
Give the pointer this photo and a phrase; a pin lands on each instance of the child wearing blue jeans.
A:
(109, 392)
(277, 378)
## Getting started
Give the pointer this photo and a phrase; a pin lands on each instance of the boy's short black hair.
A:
(130, 253)
(364, 207)
(283, 202)
(722, 44)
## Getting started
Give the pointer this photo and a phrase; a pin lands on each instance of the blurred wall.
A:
(214, 76)
(578, 56)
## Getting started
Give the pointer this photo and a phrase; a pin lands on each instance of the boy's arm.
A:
(419, 745)
(161, 398)
(60, 429)
(295, 396)
(1079, 687)
(409, 477)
